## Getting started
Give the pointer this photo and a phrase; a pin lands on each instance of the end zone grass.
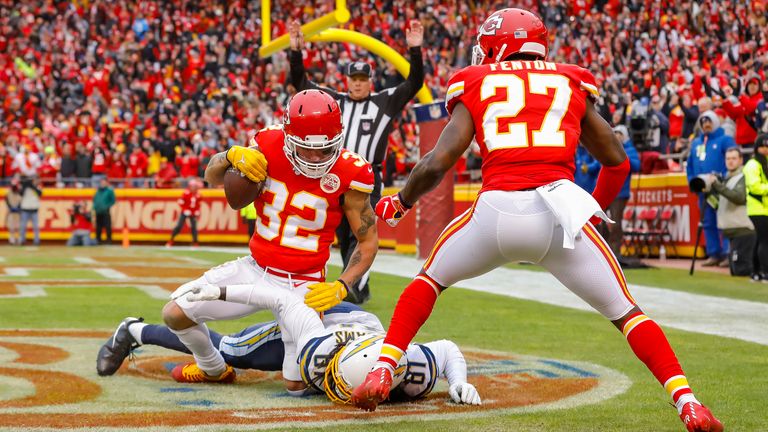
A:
(727, 375)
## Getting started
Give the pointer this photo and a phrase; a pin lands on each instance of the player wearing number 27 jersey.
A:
(527, 115)
(536, 146)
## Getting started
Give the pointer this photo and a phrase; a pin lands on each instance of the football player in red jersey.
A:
(528, 116)
(190, 209)
(311, 182)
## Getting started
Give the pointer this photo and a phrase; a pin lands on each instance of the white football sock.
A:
(684, 399)
(207, 357)
(135, 330)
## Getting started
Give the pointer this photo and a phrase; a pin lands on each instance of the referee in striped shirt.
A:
(367, 119)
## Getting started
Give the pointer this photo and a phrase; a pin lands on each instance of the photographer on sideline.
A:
(80, 218)
(30, 204)
(706, 159)
(732, 215)
(13, 218)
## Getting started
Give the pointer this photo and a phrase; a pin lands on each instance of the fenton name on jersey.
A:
(523, 65)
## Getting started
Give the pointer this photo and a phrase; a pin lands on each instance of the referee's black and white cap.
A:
(358, 68)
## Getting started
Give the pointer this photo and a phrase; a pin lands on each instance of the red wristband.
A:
(609, 183)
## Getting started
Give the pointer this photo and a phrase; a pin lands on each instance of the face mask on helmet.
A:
(313, 133)
(349, 367)
(477, 55)
(315, 155)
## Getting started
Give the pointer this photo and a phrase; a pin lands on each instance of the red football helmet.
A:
(507, 32)
(313, 132)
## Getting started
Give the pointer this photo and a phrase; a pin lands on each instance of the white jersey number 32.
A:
(288, 227)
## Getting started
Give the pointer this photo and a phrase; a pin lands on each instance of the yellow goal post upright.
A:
(320, 30)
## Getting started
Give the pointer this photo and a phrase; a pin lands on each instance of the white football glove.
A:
(195, 291)
(464, 393)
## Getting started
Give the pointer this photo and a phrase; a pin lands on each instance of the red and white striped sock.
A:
(412, 310)
(650, 345)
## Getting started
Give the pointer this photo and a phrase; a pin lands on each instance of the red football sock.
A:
(411, 312)
(652, 348)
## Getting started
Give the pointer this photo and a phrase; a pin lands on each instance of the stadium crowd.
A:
(137, 90)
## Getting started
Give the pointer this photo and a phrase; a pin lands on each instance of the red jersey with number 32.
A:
(527, 117)
(297, 216)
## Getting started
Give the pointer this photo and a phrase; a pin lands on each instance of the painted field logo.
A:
(51, 382)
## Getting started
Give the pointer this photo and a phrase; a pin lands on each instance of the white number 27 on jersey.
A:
(549, 135)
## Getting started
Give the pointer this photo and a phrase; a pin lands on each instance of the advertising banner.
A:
(151, 214)
(148, 214)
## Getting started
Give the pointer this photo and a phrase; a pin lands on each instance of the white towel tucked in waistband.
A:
(572, 207)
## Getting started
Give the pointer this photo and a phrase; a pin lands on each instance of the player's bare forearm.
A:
(217, 166)
(431, 169)
(362, 222)
(598, 138)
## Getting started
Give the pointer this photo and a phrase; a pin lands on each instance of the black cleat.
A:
(116, 348)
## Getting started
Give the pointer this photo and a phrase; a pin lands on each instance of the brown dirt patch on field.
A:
(55, 333)
(160, 272)
(51, 388)
(528, 390)
(155, 368)
(138, 260)
(7, 288)
(35, 354)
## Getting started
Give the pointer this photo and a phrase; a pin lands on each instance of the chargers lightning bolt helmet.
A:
(510, 31)
(312, 121)
(349, 367)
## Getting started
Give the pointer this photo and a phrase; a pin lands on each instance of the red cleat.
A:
(373, 390)
(698, 418)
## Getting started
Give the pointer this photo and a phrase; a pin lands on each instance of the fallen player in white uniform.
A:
(335, 359)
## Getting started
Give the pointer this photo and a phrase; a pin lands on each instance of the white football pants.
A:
(504, 227)
(246, 271)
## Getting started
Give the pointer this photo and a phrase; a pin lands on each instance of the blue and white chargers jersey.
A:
(315, 355)
(250, 339)
(348, 313)
(422, 373)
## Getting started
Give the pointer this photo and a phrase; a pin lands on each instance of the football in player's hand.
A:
(239, 190)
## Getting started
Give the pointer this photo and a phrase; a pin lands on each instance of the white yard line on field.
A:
(720, 316)
(110, 273)
(38, 290)
(84, 260)
(16, 271)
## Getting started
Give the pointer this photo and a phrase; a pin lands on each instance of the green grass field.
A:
(727, 375)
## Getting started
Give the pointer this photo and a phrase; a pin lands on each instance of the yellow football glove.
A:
(325, 295)
(249, 161)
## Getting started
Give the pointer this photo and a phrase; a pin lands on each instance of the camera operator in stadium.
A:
(30, 205)
(367, 119)
(80, 218)
(732, 215)
(705, 161)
